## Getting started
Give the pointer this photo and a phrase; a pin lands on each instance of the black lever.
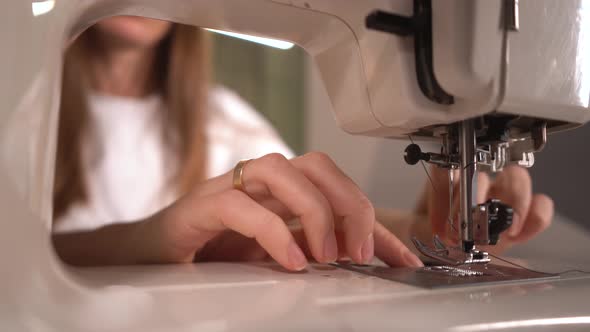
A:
(419, 26)
(391, 23)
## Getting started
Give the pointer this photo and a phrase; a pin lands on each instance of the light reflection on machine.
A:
(42, 7)
(515, 324)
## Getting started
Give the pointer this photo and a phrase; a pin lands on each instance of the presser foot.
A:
(450, 255)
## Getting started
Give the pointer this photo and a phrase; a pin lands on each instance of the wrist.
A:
(145, 242)
(168, 237)
(155, 243)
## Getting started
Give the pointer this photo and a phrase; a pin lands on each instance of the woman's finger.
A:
(277, 207)
(349, 204)
(483, 187)
(391, 250)
(273, 175)
(538, 219)
(236, 211)
(513, 186)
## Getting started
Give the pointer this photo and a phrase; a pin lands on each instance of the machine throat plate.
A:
(441, 276)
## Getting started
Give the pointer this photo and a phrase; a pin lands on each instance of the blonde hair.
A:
(181, 75)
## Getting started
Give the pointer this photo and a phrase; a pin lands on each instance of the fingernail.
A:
(330, 248)
(412, 259)
(515, 227)
(368, 249)
(296, 257)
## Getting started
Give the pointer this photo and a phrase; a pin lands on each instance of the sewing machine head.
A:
(477, 72)
(483, 71)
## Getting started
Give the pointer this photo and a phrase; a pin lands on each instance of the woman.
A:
(141, 130)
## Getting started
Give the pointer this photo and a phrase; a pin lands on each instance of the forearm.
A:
(116, 244)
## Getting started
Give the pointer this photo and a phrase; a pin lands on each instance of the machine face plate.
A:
(440, 276)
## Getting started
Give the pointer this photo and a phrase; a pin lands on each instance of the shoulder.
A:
(231, 117)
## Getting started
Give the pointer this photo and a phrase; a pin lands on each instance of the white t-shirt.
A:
(127, 166)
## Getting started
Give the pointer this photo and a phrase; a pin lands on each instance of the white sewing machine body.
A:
(541, 71)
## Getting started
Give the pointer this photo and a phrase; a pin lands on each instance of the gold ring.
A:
(238, 173)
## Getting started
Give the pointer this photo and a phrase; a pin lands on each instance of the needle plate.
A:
(441, 276)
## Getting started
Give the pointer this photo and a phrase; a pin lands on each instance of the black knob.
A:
(413, 154)
(500, 219)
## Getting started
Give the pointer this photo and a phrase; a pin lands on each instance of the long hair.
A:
(181, 74)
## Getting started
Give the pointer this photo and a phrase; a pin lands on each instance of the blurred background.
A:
(285, 86)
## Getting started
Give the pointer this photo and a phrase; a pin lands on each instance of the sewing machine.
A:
(488, 79)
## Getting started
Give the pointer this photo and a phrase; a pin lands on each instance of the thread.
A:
(535, 271)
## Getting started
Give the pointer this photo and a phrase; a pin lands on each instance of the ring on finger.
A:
(238, 181)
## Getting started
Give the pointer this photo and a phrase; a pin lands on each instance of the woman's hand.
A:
(532, 212)
(337, 219)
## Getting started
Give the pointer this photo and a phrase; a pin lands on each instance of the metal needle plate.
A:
(440, 276)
